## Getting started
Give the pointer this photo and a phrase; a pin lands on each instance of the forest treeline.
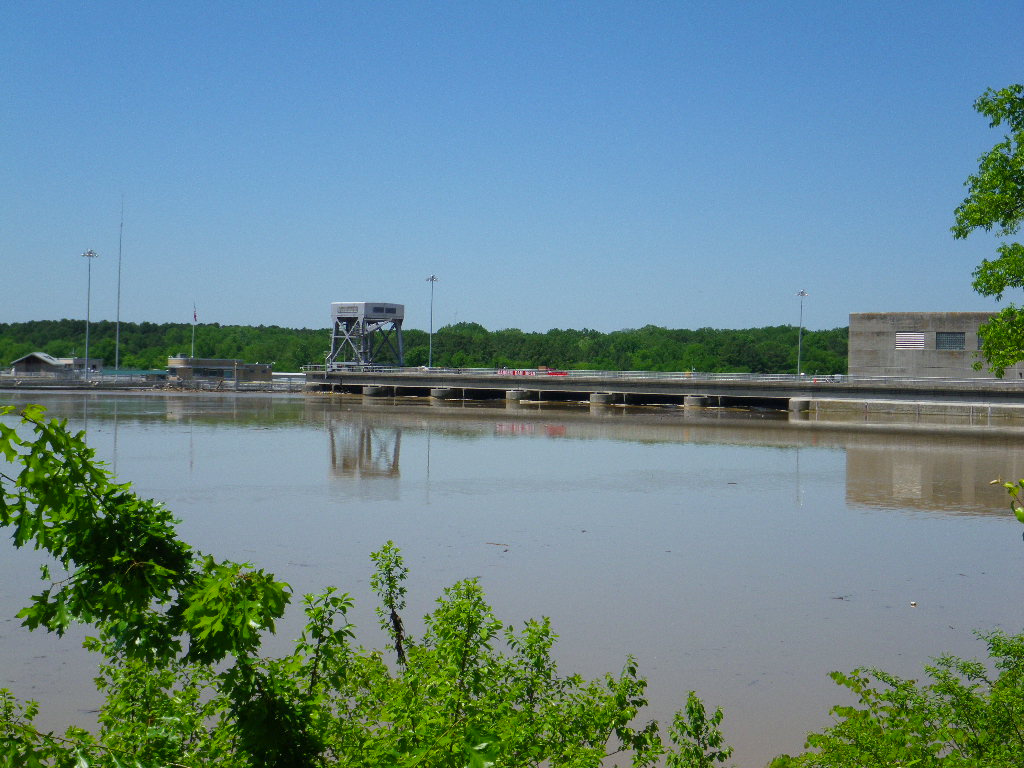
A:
(462, 345)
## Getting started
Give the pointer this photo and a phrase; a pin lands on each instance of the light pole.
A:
(117, 326)
(430, 348)
(89, 256)
(800, 333)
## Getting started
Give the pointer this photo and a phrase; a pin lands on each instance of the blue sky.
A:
(556, 164)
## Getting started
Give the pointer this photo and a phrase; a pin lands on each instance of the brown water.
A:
(738, 555)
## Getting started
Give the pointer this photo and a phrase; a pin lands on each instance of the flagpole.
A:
(194, 320)
(89, 256)
(430, 354)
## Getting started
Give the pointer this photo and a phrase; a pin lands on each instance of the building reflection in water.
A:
(932, 475)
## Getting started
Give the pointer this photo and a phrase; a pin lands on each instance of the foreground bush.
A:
(969, 715)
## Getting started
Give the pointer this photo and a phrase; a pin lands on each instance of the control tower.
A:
(366, 333)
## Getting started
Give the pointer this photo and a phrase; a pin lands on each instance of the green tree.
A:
(995, 202)
(969, 715)
(148, 345)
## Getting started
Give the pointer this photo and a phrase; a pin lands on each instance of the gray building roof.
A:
(42, 356)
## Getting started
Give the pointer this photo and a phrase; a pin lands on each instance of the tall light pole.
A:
(430, 353)
(88, 256)
(800, 333)
(117, 322)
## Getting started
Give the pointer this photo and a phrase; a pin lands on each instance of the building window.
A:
(950, 340)
(910, 341)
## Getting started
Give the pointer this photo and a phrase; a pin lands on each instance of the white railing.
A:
(806, 378)
(295, 383)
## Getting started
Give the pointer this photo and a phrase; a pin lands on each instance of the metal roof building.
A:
(40, 362)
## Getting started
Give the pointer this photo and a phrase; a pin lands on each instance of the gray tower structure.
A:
(364, 333)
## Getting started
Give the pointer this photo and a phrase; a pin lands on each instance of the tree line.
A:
(772, 349)
(651, 348)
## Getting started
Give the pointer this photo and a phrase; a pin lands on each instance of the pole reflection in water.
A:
(799, 493)
(113, 464)
(427, 483)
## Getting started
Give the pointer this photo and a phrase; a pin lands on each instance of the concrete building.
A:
(192, 368)
(919, 345)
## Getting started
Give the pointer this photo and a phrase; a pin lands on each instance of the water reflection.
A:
(929, 471)
(364, 449)
(948, 474)
(940, 473)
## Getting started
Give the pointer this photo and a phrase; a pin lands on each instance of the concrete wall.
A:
(873, 345)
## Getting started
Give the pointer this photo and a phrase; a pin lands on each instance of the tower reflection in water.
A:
(369, 453)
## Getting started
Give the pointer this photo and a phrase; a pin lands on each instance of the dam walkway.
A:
(775, 391)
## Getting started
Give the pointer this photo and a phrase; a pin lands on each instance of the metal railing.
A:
(77, 377)
(295, 383)
(781, 378)
(227, 385)
(116, 380)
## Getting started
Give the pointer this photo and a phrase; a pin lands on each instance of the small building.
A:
(920, 345)
(40, 362)
(183, 368)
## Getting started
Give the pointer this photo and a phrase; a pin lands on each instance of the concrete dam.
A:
(971, 398)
